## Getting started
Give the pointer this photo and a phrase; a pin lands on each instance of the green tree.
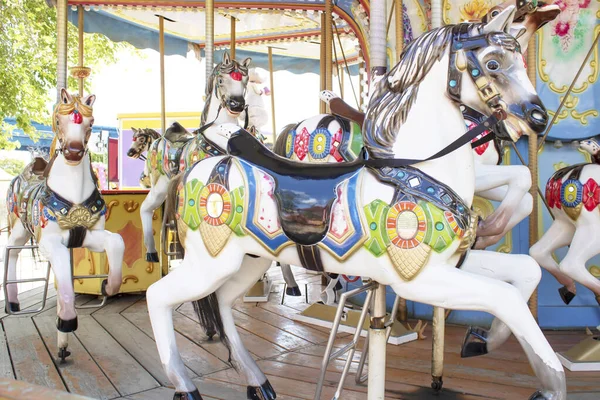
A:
(13, 167)
(28, 62)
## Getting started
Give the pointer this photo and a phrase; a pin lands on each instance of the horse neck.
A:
(72, 182)
(435, 121)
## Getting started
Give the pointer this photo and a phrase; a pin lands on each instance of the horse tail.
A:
(169, 215)
(279, 145)
(210, 319)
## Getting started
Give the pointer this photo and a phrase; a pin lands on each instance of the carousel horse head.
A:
(141, 141)
(591, 146)
(486, 72)
(227, 83)
(72, 122)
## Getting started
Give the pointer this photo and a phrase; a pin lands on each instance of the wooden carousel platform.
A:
(114, 355)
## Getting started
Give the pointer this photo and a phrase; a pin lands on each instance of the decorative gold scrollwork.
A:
(130, 206)
(583, 116)
(130, 277)
(150, 268)
(109, 207)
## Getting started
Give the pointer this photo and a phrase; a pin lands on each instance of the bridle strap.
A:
(496, 117)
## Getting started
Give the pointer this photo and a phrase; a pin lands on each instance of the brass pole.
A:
(272, 94)
(80, 29)
(232, 44)
(328, 43)
(361, 101)
(61, 46)
(437, 364)
(209, 45)
(399, 29)
(533, 169)
(161, 47)
(322, 72)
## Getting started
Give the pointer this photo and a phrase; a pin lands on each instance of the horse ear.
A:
(246, 63)
(65, 97)
(501, 22)
(89, 100)
(226, 57)
(535, 21)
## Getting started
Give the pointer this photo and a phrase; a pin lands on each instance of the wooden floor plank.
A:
(125, 373)
(80, 372)
(230, 389)
(160, 393)
(30, 359)
(6, 369)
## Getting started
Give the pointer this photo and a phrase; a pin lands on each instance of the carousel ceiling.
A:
(292, 28)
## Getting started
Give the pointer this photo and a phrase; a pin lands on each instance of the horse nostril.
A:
(538, 116)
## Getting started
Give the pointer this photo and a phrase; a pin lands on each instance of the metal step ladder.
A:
(350, 348)
(46, 281)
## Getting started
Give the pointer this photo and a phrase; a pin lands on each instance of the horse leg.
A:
(448, 287)
(521, 212)
(520, 271)
(57, 253)
(517, 180)
(559, 234)
(18, 237)
(153, 200)
(292, 288)
(252, 268)
(198, 276)
(585, 245)
(112, 243)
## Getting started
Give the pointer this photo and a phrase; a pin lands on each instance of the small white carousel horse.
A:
(59, 204)
(177, 150)
(404, 227)
(573, 194)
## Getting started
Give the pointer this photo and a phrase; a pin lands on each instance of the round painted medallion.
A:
(406, 224)
(289, 144)
(215, 204)
(571, 193)
(319, 145)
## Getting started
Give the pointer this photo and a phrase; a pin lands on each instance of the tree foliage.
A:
(12, 166)
(28, 61)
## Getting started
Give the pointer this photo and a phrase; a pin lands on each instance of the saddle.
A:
(304, 192)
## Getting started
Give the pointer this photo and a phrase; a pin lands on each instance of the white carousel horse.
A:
(271, 204)
(177, 150)
(59, 204)
(573, 195)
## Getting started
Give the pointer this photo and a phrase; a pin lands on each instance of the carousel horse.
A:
(177, 150)
(573, 195)
(402, 226)
(58, 203)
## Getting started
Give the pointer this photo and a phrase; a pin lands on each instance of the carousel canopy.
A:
(292, 28)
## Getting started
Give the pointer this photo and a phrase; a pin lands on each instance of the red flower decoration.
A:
(556, 193)
(550, 193)
(591, 194)
(236, 75)
(335, 146)
(76, 117)
(562, 28)
(584, 3)
(483, 147)
(561, 4)
(301, 144)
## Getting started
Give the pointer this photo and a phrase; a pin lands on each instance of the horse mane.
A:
(176, 133)
(219, 69)
(396, 92)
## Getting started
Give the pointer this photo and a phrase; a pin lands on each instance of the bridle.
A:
(148, 135)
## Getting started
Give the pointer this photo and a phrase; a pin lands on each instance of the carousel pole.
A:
(271, 82)
(328, 45)
(322, 71)
(377, 329)
(232, 41)
(61, 46)
(209, 15)
(533, 169)
(161, 48)
(80, 29)
(439, 314)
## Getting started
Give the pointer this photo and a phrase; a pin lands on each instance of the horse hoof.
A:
(539, 396)
(475, 343)
(195, 395)
(338, 286)
(437, 383)
(13, 307)
(152, 257)
(210, 334)
(103, 288)
(262, 392)
(293, 291)
(566, 295)
(66, 326)
(63, 353)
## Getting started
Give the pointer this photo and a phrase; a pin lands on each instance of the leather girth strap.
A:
(76, 237)
(310, 257)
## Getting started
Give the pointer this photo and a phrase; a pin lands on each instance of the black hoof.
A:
(338, 286)
(103, 288)
(195, 395)
(63, 354)
(293, 291)
(538, 396)
(262, 392)
(66, 326)
(13, 307)
(152, 257)
(475, 343)
(210, 334)
(437, 383)
(566, 295)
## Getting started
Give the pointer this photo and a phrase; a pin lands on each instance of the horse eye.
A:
(494, 13)
(492, 65)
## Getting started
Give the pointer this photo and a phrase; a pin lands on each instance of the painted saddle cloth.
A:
(566, 191)
(424, 215)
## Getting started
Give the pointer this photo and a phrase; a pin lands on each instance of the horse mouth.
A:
(515, 131)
